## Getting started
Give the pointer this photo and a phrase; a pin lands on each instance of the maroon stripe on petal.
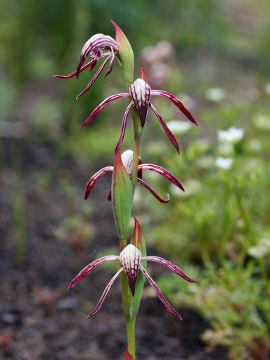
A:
(102, 106)
(140, 92)
(123, 130)
(165, 128)
(91, 183)
(90, 267)
(176, 102)
(130, 259)
(112, 57)
(159, 293)
(81, 61)
(152, 191)
(165, 173)
(170, 266)
(94, 78)
(105, 293)
(75, 72)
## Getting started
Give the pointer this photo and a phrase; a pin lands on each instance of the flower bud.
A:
(130, 259)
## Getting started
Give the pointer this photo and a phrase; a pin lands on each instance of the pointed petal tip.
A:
(143, 75)
(118, 31)
(136, 239)
(132, 291)
(71, 285)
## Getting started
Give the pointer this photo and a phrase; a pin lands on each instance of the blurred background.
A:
(214, 56)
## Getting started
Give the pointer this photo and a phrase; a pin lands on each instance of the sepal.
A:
(122, 197)
(136, 239)
(125, 52)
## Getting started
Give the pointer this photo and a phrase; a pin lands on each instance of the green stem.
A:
(131, 337)
(130, 321)
(128, 301)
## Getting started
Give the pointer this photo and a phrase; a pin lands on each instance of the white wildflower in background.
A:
(215, 94)
(231, 135)
(261, 250)
(224, 163)
(179, 127)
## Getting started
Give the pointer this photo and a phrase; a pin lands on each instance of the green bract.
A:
(122, 197)
(126, 53)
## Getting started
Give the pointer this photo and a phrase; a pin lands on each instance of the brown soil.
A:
(39, 318)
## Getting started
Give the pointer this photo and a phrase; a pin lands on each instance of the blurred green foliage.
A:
(219, 228)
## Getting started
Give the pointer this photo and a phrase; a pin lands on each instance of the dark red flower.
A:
(127, 159)
(140, 95)
(130, 259)
(97, 47)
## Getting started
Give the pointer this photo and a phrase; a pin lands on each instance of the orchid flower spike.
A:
(97, 47)
(140, 95)
(130, 259)
(127, 159)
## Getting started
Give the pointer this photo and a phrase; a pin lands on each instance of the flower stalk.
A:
(126, 173)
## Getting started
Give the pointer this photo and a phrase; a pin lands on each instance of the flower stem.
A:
(130, 321)
(131, 337)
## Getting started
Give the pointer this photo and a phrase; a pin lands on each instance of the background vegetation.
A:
(218, 64)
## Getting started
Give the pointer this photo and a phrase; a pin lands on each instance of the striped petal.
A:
(94, 47)
(94, 78)
(159, 293)
(75, 72)
(130, 259)
(176, 102)
(112, 57)
(102, 106)
(90, 267)
(123, 130)
(91, 183)
(170, 266)
(165, 128)
(165, 173)
(140, 92)
(152, 191)
(105, 293)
